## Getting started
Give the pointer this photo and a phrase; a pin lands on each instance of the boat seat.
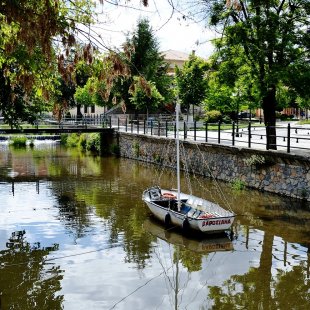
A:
(191, 212)
(185, 209)
(190, 200)
(194, 214)
(199, 204)
(154, 194)
(197, 213)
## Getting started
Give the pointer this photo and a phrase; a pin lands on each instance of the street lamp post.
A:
(237, 123)
(236, 97)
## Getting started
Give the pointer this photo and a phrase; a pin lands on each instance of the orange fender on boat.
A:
(169, 196)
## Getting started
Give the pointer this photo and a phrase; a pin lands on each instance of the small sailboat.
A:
(189, 212)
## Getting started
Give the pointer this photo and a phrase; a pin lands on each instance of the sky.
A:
(171, 30)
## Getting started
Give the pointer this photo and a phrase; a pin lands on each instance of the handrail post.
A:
(237, 129)
(144, 127)
(175, 130)
(110, 121)
(249, 138)
(138, 125)
(288, 138)
(166, 128)
(158, 128)
(194, 130)
(126, 124)
(118, 123)
(151, 128)
(219, 133)
(131, 126)
(233, 133)
(185, 131)
(206, 131)
(267, 136)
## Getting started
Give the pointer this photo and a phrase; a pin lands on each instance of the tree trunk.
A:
(269, 108)
(78, 111)
(193, 112)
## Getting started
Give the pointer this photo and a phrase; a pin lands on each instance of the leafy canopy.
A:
(192, 81)
(37, 38)
(146, 70)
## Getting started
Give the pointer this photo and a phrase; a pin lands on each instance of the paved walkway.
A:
(299, 142)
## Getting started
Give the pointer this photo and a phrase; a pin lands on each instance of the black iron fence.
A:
(288, 137)
(239, 134)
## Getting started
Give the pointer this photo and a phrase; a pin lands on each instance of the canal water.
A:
(75, 234)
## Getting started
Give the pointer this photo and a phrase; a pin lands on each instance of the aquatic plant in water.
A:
(19, 141)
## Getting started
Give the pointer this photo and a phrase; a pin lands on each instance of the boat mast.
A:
(177, 110)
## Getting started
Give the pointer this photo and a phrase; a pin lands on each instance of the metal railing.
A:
(287, 139)
(240, 134)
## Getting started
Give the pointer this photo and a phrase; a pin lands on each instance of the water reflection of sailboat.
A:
(198, 244)
(190, 255)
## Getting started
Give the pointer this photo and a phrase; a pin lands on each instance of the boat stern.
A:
(216, 224)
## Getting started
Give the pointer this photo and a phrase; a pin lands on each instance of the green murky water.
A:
(74, 234)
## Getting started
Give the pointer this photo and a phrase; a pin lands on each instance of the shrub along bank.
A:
(87, 142)
(100, 143)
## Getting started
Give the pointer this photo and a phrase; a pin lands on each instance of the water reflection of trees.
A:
(260, 289)
(288, 290)
(109, 195)
(74, 213)
(27, 281)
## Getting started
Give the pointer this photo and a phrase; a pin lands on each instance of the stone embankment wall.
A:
(271, 171)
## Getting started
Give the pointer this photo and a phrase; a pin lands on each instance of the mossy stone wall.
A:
(271, 171)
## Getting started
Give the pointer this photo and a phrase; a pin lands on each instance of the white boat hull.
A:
(218, 220)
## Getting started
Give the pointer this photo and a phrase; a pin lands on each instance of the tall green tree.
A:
(273, 37)
(192, 82)
(143, 59)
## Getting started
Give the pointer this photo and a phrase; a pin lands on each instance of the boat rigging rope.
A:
(221, 193)
(114, 245)
(164, 272)
(163, 157)
(137, 289)
(186, 169)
